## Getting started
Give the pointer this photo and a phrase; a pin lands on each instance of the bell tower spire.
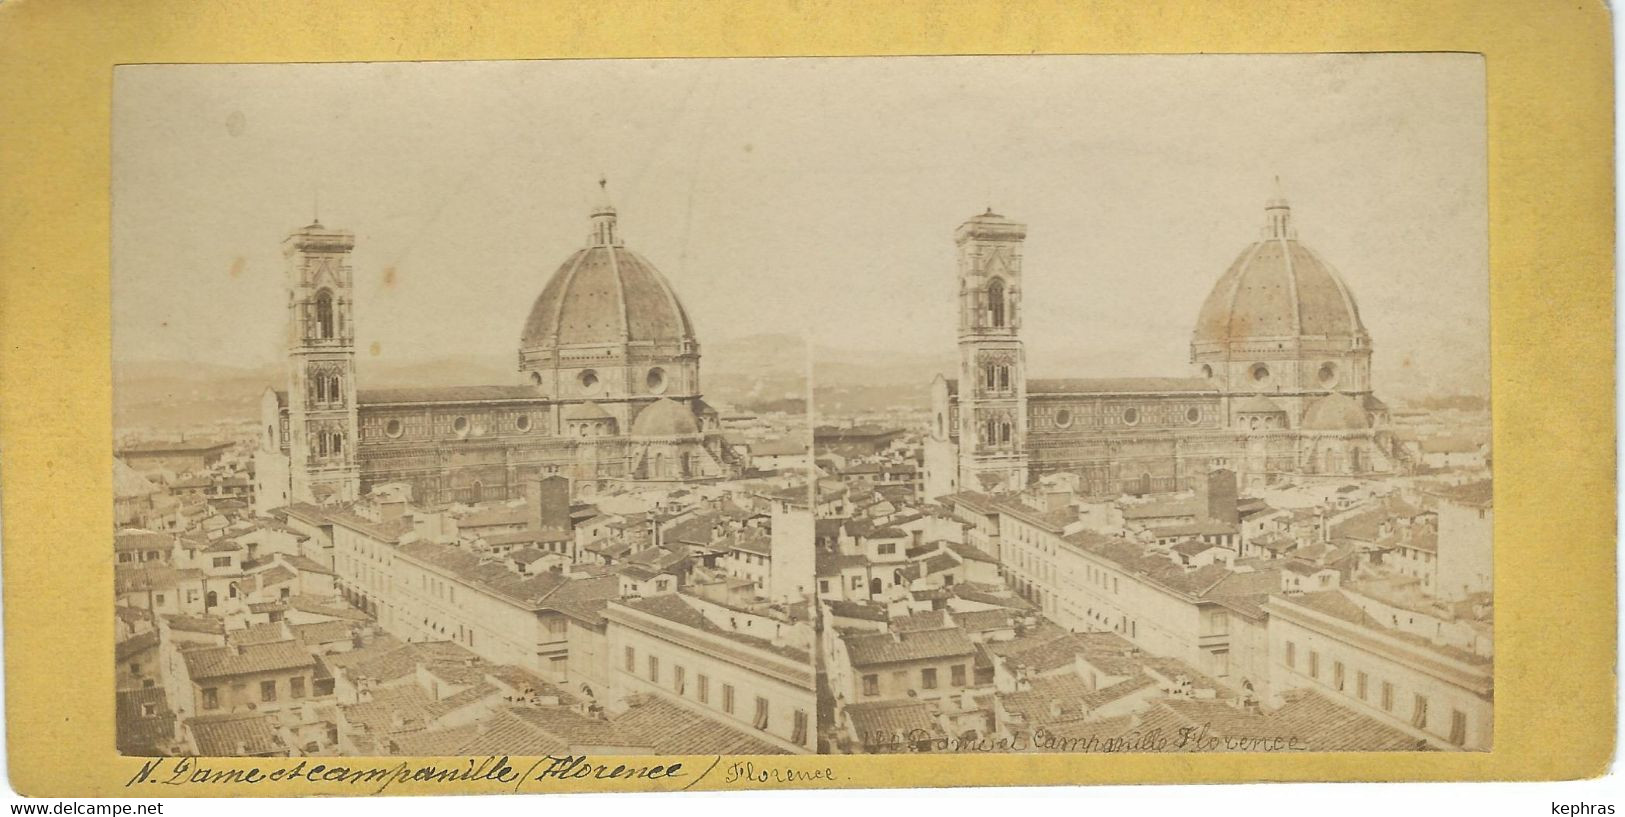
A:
(322, 420)
(992, 362)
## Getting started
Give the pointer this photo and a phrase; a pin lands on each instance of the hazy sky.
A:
(815, 196)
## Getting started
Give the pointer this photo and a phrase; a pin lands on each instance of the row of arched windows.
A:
(995, 432)
(329, 443)
(996, 377)
(324, 315)
(326, 388)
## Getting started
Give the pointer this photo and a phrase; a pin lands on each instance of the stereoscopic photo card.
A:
(394, 412)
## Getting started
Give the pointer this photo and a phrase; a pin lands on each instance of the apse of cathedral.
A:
(1279, 387)
(609, 391)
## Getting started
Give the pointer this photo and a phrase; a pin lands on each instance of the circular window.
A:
(1193, 415)
(522, 422)
(1260, 372)
(393, 428)
(460, 425)
(589, 381)
(1131, 416)
(1063, 418)
(1328, 374)
(656, 381)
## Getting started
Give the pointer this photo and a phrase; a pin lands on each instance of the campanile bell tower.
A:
(992, 363)
(322, 423)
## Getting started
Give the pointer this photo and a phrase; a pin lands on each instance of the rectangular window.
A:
(1387, 697)
(654, 670)
(211, 698)
(296, 687)
(1220, 623)
(887, 548)
(1458, 727)
(222, 561)
(631, 660)
(158, 599)
(135, 667)
(760, 721)
(702, 688)
(928, 678)
(857, 582)
(956, 675)
(728, 698)
(1419, 712)
(798, 734)
(871, 685)
(267, 690)
(1314, 664)
(678, 682)
(1337, 675)
(1359, 684)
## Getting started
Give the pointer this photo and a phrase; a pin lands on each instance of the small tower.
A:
(992, 364)
(322, 423)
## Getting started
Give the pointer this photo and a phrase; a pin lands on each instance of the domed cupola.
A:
(1281, 320)
(608, 325)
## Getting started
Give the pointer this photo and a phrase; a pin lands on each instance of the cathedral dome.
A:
(1279, 289)
(1335, 412)
(665, 418)
(606, 294)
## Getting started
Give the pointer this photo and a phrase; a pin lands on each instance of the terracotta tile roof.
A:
(882, 723)
(672, 607)
(856, 609)
(671, 728)
(892, 648)
(405, 659)
(257, 634)
(323, 632)
(135, 539)
(139, 733)
(332, 607)
(305, 564)
(223, 662)
(237, 735)
(135, 645)
(914, 622)
(976, 621)
(969, 553)
(525, 591)
(584, 599)
(155, 577)
(197, 624)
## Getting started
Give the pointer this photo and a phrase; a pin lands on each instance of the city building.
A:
(1281, 387)
(609, 391)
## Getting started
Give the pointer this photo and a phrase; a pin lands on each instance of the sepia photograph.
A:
(1182, 443)
(455, 415)
(747, 407)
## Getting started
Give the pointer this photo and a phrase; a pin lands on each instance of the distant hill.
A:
(179, 395)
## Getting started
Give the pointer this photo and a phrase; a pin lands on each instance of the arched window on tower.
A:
(1004, 378)
(1004, 432)
(995, 303)
(992, 432)
(333, 389)
(324, 314)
